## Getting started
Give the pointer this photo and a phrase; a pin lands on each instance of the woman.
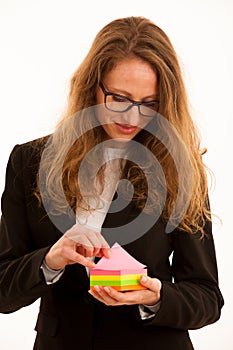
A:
(127, 92)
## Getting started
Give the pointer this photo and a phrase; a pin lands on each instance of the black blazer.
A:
(69, 317)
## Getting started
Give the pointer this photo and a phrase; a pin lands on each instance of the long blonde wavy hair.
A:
(120, 39)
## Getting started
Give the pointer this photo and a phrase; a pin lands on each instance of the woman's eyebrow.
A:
(128, 94)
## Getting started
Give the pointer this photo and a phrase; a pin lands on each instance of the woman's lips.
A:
(126, 129)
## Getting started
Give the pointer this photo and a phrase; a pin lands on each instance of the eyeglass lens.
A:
(117, 103)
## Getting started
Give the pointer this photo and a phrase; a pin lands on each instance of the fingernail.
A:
(97, 288)
(144, 279)
(107, 289)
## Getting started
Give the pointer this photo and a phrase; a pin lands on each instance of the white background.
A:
(42, 43)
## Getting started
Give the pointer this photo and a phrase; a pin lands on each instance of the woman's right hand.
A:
(75, 246)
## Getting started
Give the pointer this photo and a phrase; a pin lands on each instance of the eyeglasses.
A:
(118, 103)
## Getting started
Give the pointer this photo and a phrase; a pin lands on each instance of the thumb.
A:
(153, 284)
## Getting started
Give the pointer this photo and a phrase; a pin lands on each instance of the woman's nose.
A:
(132, 116)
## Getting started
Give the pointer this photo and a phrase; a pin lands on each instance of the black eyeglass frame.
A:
(133, 103)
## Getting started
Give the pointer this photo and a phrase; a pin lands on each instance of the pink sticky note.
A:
(121, 271)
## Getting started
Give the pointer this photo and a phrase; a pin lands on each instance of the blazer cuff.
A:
(148, 311)
(51, 276)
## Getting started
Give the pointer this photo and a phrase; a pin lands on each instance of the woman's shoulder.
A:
(28, 153)
(35, 146)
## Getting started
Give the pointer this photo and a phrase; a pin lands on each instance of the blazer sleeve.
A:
(193, 299)
(21, 279)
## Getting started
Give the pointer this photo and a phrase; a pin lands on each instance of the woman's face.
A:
(136, 80)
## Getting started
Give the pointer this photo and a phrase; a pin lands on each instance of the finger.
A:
(80, 250)
(106, 252)
(96, 251)
(78, 258)
(104, 243)
(83, 244)
(89, 251)
(78, 234)
(111, 292)
(89, 238)
(98, 241)
(100, 293)
(130, 297)
(96, 295)
(153, 284)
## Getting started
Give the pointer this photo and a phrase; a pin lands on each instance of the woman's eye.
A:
(153, 105)
(117, 98)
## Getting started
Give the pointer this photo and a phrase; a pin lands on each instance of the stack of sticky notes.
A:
(122, 272)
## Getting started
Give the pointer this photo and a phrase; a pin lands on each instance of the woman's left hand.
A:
(111, 297)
